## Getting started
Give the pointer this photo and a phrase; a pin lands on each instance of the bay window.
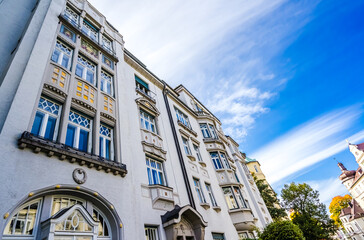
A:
(147, 121)
(62, 54)
(107, 83)
(204, 130)
(239, 197)
(213, 132)
(79, 132)
(225, 161)
(216, 160)
(199, 192)
(106, 145)
(230, 198)
(86, 70)
(46, 119)
(155, 172)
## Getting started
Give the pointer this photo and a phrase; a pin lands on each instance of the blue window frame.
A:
(79, 131)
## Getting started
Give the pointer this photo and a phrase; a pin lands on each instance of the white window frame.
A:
(159, 171)
(213, 131)
(186, 146)
(239, 197)
(105, 222)
(71, 14)
(183, 118)
(107, 43)
(216, 159)
(199, 191)
(229, 197)
(197, 151)
(87, 65)
(151, 232)
(65, 198)
(145, 118)
(60, 47)
(211, 194)
(90, 31)
(78, 129)
(104, 138)
(224, 160)
(205, 130)
(107, 78)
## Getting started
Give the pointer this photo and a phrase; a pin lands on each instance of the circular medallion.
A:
(79, 175)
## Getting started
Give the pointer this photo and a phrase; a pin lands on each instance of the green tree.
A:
(282, 230)
(338, 203)
(309, 214)
(270, 199)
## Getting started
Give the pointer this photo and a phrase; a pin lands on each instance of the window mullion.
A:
(77, 136)
(44, 125)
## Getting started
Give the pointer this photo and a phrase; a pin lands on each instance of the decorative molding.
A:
(83, 104)
(77, 173)
(147, 105)
(107, 116)
(55, 90)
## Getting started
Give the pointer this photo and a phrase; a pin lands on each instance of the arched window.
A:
(24, 221)
(104, 226)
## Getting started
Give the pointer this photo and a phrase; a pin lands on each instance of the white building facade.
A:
(95, 146)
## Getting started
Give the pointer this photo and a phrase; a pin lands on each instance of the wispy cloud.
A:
(328, 188)
(308, 144)
(217, 49)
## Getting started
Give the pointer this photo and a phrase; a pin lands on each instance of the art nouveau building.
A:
(95, 146)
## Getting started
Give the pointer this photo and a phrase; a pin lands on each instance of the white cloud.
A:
(328, 188)
(308, 144)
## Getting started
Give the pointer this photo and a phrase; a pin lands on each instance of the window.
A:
(198, 189)
(197, 151)
(107, 83)
(155, 172)
(108, 62)
(186, 146)
(182, 118)
(103, 224)
(86, 70)
(256, 169)
(243, 235)
(213, 132)
(225, 161)
(62, 55)
(236, 176)
(197, 107)
(90, 30)
(230, 198)
(46, 119)
(151, 233)
(71, 15)
(79, 132)
(24, 221)
(68, 33)
(141, 85)
(205, 131)
(216, 160)
(60, 203)
(239, 197)
(211, 195)
(147, 121)
(218, 236)
(107, 43)
(106, 147)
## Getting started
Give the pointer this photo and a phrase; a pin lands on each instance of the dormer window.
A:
(208, 131)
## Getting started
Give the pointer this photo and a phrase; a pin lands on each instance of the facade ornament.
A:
(79, 176)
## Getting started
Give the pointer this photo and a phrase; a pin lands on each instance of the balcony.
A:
(213, 144)
(63, 152)
(78, 29)
(162, 197)
(146, 93)
(187, 128)
(152, 143)
(242, 219)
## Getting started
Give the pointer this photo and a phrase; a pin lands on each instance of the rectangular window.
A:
(108, 62)
(147, 121)
(197, 151)
(107, 83)
(106, 147)
(155, 172)
(205, 131)
(107, 43)
(186, 146)
(141, 85)
(62, 55)
(199, 192)
(213, 132)
(182, 118)
(90, 30)
(211, 195)
(79, 132)
(86, 70)
(216, 160)
(225, 161)
(46, 119)
(218, 236)
(151, 233)
(230, 198)
(236, 176)
(71, 16)
(68, 33)
(239, 197)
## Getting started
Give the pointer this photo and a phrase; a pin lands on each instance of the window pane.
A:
(79, 70)
(90, 77)
(37, 123)
(55, 55)
(82, 145)
(101, 148)
(107, 149)
(65, 61)
(50, 128)
(70, 135)
(155, 176)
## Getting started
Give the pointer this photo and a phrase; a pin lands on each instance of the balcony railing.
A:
(146, 93)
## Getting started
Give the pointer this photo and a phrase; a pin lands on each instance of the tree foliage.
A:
(338, 203)
(282, 230)
(270, 200)
(309, 214)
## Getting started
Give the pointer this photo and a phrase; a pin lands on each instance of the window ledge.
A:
(208, 140)
(38, 144)
(205, 205)
(217, 208)
(202, 163)
(188, 129)
(191, 157)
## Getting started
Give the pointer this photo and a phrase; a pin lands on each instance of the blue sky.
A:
(286, 78)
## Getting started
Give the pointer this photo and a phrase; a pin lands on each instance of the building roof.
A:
(248, 160)
(354, 210)
(360, 146)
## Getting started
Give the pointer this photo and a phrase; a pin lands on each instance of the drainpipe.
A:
(179, 153)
